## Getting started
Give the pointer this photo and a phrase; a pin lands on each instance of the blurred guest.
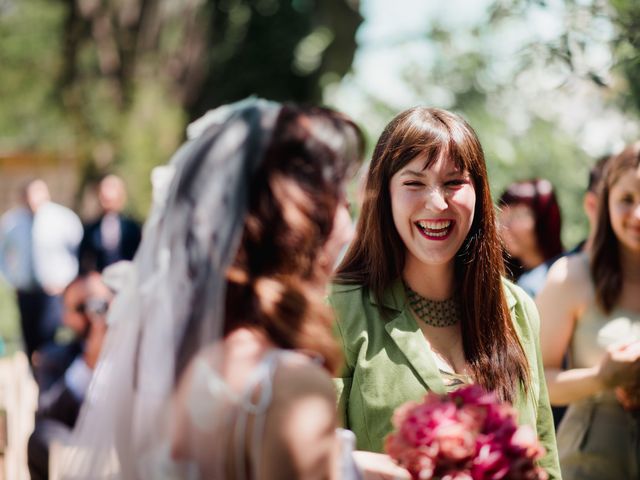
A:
(86, 302)
(590, 206)
(114, 236)
(38, 255)
(590, 306)
(84, 296)
(530, 223)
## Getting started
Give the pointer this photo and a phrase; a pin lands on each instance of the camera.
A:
(96, 306)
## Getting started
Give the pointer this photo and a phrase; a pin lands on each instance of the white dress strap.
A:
(212, 400)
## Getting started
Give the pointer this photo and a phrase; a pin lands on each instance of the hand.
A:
(377, 466)
(620, 366)
(93, 344)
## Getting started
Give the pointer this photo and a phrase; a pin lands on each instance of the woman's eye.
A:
(412, 183)
(456, 182)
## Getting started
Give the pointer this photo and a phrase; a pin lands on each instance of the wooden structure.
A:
(59, 172)
(18, 402)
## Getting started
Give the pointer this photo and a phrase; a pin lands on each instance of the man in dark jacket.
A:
(113, 236)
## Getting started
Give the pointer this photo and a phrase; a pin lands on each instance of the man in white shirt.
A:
(38, 256)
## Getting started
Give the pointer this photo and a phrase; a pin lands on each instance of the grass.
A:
(10, 335)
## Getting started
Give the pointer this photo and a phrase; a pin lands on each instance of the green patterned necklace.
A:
(436, 313)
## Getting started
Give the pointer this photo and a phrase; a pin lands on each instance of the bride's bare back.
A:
(287, 401)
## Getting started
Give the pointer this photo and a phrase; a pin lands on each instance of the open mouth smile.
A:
(435, 229)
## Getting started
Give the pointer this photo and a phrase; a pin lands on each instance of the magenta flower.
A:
(464, 435)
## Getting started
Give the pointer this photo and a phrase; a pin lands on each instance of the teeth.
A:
(437, 234)
(439, 225)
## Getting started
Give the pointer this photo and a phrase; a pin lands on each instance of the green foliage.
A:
(114, 83)
(10, 335)
(543, 152)
(29, 42)
(281, 50)
(151, 132)
(627, 18)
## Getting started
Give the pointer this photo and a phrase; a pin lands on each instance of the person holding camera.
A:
(86, 302)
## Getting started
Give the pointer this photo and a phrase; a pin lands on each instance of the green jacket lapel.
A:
(407, 336)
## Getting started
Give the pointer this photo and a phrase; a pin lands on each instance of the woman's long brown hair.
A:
(376, 257)
(273, 283)
(606, 269)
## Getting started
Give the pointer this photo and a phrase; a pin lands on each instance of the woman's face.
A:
(517, 229)
(624, 210)
(432, 210)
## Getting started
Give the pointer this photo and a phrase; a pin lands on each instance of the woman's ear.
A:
(590, 206)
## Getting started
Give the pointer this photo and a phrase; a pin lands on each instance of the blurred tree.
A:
(627, 44)
(287, 50)
(121, 78)
(589, 25)
(595, 49)
(29, 41)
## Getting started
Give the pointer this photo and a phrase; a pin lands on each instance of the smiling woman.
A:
(432, 199)
(420, 299)
(590, 308)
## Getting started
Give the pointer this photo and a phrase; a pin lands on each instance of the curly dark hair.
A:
(292, 202)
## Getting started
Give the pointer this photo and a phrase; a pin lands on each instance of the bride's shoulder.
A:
(304, 394)
(301, 421)
(299, 374)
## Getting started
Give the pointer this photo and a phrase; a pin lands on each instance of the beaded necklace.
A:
(443, 313)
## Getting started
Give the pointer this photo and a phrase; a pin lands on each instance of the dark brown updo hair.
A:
(275, 282)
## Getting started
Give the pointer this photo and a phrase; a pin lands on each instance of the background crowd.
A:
(54, 263)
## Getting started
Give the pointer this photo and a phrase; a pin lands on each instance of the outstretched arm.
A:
(561, 302)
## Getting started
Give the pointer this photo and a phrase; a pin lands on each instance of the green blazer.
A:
(388, 362)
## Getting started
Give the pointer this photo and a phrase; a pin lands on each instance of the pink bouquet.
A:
(464, 435)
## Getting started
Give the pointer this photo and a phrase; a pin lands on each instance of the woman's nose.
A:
(435, 200)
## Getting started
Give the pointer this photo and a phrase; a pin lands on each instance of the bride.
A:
(219, 356)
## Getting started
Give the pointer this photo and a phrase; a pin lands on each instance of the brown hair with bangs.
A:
(275, 279)
(606, 269)
(376, 257)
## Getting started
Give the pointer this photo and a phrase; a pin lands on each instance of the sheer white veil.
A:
(172, 299)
